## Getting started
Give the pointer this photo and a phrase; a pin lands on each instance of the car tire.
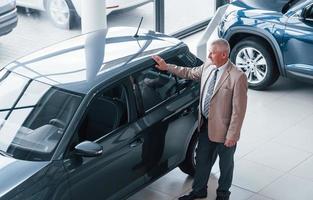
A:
(62, 13)
(255, 58)
(188, 166)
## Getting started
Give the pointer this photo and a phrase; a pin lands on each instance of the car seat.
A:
(103, 116)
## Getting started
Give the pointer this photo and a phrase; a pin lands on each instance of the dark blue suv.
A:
(270, 38)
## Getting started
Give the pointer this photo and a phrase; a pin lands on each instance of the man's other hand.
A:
(229, 143)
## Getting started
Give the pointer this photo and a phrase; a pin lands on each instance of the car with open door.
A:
(92, 118)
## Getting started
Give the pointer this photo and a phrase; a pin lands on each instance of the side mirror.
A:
(88, 149)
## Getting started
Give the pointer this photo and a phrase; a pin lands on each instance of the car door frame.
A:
(115, 134)
(180, 111)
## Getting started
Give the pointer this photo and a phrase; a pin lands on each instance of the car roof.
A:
(81, 63)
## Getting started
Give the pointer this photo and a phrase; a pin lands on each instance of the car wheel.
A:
(254, 58)
(188, 166)
(62, 13)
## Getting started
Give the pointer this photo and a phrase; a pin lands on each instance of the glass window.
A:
(107, 112)
(185, 60)
(10, 89)
(33, 121)
(177, 14)
(129, 13)
(308, 12)
(155, 87)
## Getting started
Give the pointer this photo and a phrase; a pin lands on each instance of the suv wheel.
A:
(254, 58)
(61, 13)
(188, 166)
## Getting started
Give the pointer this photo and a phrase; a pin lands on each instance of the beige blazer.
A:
(228, 103)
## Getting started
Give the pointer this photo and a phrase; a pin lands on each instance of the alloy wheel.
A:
(59, 11)
(253, 63)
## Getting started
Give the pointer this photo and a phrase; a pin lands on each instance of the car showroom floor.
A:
(274, 158)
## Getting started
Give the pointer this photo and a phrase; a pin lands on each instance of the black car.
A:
(92, 118)
(8, 16)
(270, 39)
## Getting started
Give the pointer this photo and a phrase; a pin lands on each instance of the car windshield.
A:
(33, 116)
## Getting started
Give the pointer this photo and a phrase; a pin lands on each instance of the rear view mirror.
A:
(88, 149)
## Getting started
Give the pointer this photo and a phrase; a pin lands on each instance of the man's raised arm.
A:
(183, 72)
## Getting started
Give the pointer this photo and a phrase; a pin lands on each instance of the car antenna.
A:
(136, 34)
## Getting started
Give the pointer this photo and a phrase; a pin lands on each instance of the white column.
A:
(94, 53)
(93, 15)
(202, 44)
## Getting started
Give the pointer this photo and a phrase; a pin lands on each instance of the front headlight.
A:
(230, 16)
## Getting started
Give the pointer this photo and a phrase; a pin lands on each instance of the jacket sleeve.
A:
(239, 106)
(186, 72)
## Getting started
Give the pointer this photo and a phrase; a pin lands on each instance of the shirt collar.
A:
(223, 67)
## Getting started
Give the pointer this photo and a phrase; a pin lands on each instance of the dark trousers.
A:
(207, 153)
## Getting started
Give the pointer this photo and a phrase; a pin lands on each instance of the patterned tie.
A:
(209, 94)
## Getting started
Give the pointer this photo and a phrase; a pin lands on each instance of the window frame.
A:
(304, 12)
(180, 58)
(122, 83)
(141, 110)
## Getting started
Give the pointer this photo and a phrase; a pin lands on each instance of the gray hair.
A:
(223, 45)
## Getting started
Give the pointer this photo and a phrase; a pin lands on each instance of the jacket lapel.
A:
(205, 77)
(224, 76)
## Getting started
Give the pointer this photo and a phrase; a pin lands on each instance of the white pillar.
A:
(94, 53)
(202, 44)
(93, 15)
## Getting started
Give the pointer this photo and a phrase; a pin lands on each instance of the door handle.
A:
(137, 142)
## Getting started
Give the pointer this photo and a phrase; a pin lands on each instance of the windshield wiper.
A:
(4, 153)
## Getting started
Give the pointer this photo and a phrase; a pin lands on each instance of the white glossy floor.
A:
(274, 158)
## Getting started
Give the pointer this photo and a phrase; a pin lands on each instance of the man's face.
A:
(217, 56)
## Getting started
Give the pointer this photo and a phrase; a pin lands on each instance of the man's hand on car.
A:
(161, 64)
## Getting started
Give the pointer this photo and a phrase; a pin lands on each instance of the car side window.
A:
(107, 111)
(154, 86)
(308, 12)
(186, 60)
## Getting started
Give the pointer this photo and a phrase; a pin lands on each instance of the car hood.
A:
(266, 10)
(260, 14)
(269, 5)
(15, 172)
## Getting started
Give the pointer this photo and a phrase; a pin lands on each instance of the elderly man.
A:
(223, 101)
